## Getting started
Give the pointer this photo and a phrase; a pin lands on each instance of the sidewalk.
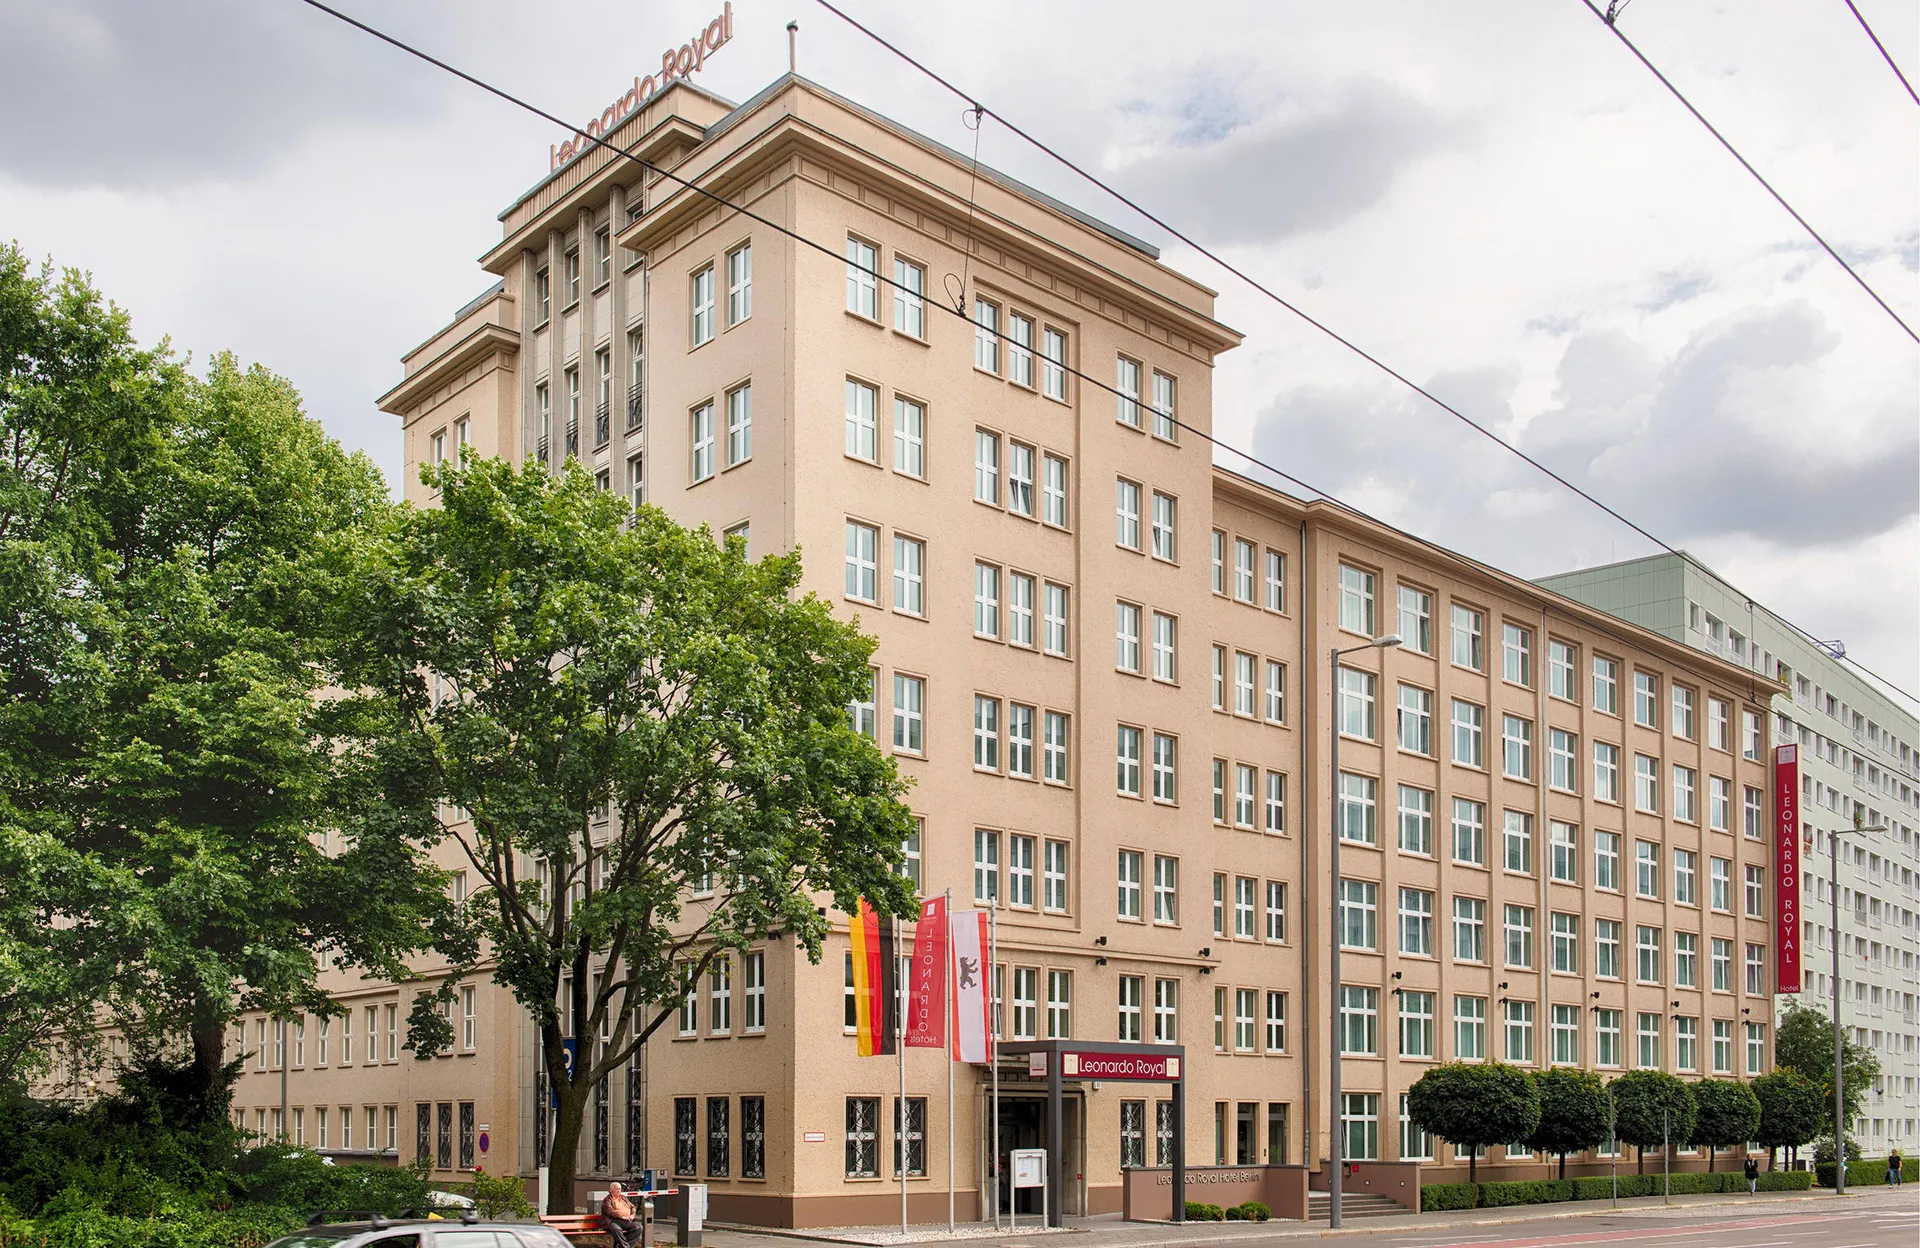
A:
(1109, 1231)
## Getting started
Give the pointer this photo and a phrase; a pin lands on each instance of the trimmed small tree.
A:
(1472, 1105)
(1792, 1111)
(1727, 1113)
(1573, 1112)
(1650, 1109)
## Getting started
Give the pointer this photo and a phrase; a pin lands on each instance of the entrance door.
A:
(1022, 1123)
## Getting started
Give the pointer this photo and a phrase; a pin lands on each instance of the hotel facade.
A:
(1104, 664)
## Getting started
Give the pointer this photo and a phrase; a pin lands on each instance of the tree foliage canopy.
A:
(1803, 1041)
(1726, 1113)
(1651, 1107)
(1792, 1109)
(1573, 1112)
(1471, 1105)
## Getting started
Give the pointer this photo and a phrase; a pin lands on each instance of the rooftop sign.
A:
(681, 62)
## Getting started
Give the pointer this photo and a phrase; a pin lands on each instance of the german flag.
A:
(874, 989)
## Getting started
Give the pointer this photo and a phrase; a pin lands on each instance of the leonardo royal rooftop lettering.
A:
(681, 62)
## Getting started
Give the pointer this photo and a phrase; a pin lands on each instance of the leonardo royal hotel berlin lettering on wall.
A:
(680, 62)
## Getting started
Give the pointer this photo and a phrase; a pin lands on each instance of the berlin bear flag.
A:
(972, 1036)
(927, 979)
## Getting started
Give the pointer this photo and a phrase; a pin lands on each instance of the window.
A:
(1416, 1024)
(1020, 609)
(909, 298)
(1606, 685)
(1165, 767)
(1606, 772)
(1516, 747)
(1416, 720)
(1563, 749)
(1416, 922)
(1469, 831)
(1166, 1011)
(1126, 636)
(739, 425)
(1565, 932)
(1166, 888)
(1719, 804)
(1054, 620)
(1416, 1144)
(862, 565)
(1469, 929)
(1131, 989)
(1127, 385)
(986, 600)
(1053, 365)
(1059, 1005)
(1356, 600)
(1358, 798)
(1053, 876)
(1468, 638)
(1756, 1047)
(1722, 1047)
(1517, 838)
(1053, 491)
(1416, 820)
(1646, 869)
(1647, 951)
(1020, 871)
(1756, 968)
(1566, 1035)
(1519, 933)
(1469, 734)
(1019, 740)
(1276, 820)
(1276, 1022)
(1053, 747)
(572, 259)
(1019, 479)
(1750, 735)
(910, 1136)
(1752, 813)
(986, 866)
(1126, 513)
(1756, 892)
(1683, 722)
(1360, 1020)
(1164, 422)
(1219, 562)
(702, 442)
(1516, 655)
(1359, 914)
(703, 306)
(1276, 911)
(909, 438)
(1560, 664)
(1720, 956)
(986, 336)
(739, 283)
(1686, 1043)
(1563, 852)
(909, 713)
(909, 575)
(1243, 667)
(688, 1021)
(1243, 893)
(863, 406)
(1165, 635)
(1719, 724)
(912, 856)
(1276, 708)
(636, 480)
(720, 998)
(1519, 1031)
(1276, 581)
(1683, 794)
(542, 293)
(1416, 619)
(1685, 888)
(1646, 784)
(1646, 699)
(1127, 761)
(863, 1114)
(863, 286)
(986, 733)
(1019, 350)
(1244, 554)
(1470, 1028)
(1128, 901)
(1606, 1037)
(1245, 1000)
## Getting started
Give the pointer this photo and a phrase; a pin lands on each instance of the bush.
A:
(1436, 1196)
(500, 1196)
(1865, 1173)
(247, 1227)
(1249, 1211)
(1787, 1180)
(1525, 1192)
(1198, 1211)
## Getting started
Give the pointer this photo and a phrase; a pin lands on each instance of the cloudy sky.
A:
(1491, 195)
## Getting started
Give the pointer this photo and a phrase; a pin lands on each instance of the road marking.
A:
(1600, 1237)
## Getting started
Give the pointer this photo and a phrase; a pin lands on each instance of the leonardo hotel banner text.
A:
(1786, 865)
(680, 62)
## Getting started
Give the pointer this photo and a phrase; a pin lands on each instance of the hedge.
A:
(246, 1227)
(1197, 1211)
(1867, 1173)
(1437, 1196)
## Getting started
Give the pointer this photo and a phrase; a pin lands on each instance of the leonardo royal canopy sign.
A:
(1786, 866)
(1119, 1066)
(680, 62)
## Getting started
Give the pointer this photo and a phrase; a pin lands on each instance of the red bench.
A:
(574, 1225)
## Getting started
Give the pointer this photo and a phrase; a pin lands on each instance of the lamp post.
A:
(1335, 1112)
(1839, 1044)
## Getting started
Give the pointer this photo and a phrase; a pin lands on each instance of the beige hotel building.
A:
(1103, 662)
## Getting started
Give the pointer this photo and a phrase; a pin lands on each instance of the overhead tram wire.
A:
(974, 102)
(1884, 54)
(1745, 164)
(1331, 498)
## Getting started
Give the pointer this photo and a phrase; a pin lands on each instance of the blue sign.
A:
(568, 1047)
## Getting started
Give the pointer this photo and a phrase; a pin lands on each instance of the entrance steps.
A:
(1353, 1205)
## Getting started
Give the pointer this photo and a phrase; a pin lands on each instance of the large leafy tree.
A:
(637, 739)
(1792, 1111)
(169, 848)
(1472, 1105)
(1573, 1112)
(1804, 1042)
(1728, 1113)
(1651, 1109)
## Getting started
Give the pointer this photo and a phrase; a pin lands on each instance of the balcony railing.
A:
(633, 410)
(573, 437)
(602, 427)
(541, 454)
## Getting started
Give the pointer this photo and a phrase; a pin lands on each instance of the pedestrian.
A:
(1893, 1167)
(617, 1212)
(1753, 1177)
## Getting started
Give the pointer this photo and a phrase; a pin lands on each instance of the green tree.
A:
(638, 739)
(168, 784)
(1472, 1105)
(1650, 1110)
(1803, 1041)
(1727, 1113)
(1573, 1112)
(1792, 1111)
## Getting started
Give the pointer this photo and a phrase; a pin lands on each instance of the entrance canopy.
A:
(1119, 1061)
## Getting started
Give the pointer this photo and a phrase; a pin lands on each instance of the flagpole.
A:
(993, 1046)
(946, 918)
(900, 1055)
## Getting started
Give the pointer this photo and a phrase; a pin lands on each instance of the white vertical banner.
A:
(972, 1002)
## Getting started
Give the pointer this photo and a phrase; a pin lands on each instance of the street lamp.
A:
(1839, 1046)
(1338, 1013)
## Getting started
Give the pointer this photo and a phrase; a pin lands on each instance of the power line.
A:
(1884, 54)
(628, 154)
(1744, 164)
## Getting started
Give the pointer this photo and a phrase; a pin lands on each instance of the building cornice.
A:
(482, 341)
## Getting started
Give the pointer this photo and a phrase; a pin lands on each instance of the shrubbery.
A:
(1866, 1173)
(1199, 1211)
(1249, 1211)
(1434, 1196)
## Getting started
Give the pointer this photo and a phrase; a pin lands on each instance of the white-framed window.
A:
(739, 284)
(1564, 933)
(986, 733)
(1719, 724)
(1722, 1046)
(1469, 1028)
(702, 442)
(1686, 1043)
(1359, 914)
(1276, 804)
(1684, 782)
(1127, 385)
(1646, 699)
(1720, 884)
(1166, 889)
(1756, 970)
(1356, 600)
(1276, 929)
(986, 600)
(1126, 636)
(1243, 686)
(909, 297)
(1416, 820)
(1164, 421)
(1469, 929)
(739, 425)
(863, 279)
(1127, 761)
(1415, 618)
(1416, 1024)
(909, 575)
(862, 562)
(602, 256)
(1516, 655)
(1646, 784)
(1563, 753)
(1276, 699)
(1244, 555)
(1276, 580)
(1020, 350)
(1053, 877)
(1020, 868)
(1561, 660)
(703, 306)
(1606, 772)
(1720, 962)
(1686, 890)
(1020, 609)
(1469, 734)
(1059, 1005)
(1166, 632)
(1563, 850)
(1416, 720)
(986, 336)
(1469, 831)
(1054, 619)
(1606, 1037)
(1053, 491)
(1753, 813)
(909, 713)
(986, 867)
(1646, 869)
(1053, 744)
(1646, 947)
(1606, 685)
(1276, 1022)
(1165, 512)
(1519, 1031)
(1359, 816)
(1166, 1011)
(719, 997)
(1416, 1143)
(1566, 1035)
(1518, 929)
(1516, 747)
(1469, 638)
(1357, 704)
(1166, 750)
(1219, 556)
(909, 438)
(1684, 726)
(1053, 364)
(1359, 1026)
(1245, 1001)
(863, 406)
(1131, 989)
(1516, 834)
(1126, 513)
(1719, 804)
(1416, 922)
(1019, 740)
(1243, 908)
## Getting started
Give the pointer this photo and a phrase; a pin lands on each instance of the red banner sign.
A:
(927, 979)
(1119, 1066)
(1786, 866)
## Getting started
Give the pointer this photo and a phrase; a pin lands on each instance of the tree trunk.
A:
(1710, 1150)
(563, 1151)
(1473, 1162)
(1639, 1159)
(1563, 1165)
